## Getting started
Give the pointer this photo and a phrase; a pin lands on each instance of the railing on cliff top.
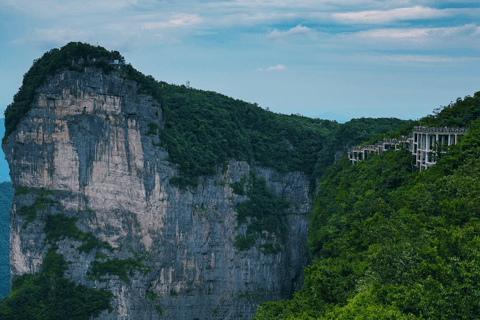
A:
(422, 143)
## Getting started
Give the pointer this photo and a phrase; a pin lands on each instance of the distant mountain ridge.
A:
(334, 117)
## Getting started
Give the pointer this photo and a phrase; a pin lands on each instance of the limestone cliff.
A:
(85, 139)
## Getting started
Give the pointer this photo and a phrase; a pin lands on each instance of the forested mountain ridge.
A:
(134, 198)
(201, 130)
(390, 242)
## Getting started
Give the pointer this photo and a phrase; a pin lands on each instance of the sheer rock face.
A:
(86, 139)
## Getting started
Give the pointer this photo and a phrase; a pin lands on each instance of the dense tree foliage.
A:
(203, 129)
(390, 242)
(456, 114)
(353, 133)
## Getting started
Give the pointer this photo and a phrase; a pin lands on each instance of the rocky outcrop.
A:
(86, 140)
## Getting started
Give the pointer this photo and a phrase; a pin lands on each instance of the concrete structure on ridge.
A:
(423, 143)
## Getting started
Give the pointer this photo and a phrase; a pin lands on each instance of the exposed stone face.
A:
(85, 139)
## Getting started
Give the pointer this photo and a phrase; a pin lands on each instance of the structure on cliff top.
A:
(423, 143)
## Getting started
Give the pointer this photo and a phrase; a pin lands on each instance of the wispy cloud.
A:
(430, 59)
(375, 16)
(57, 8)
(278, 67)
(424, 34)
(125, 24)
(178, 20)
(297, 31)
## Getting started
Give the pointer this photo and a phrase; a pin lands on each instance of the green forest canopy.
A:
(390, 242)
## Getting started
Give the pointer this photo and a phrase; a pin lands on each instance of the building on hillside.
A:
(423, 143)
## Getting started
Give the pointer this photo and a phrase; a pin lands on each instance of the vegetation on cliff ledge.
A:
(47, 295)
(266, 213)
(390, 242)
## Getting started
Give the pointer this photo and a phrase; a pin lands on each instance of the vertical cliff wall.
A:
(85, 143)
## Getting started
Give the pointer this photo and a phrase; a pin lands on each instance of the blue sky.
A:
(352, 58)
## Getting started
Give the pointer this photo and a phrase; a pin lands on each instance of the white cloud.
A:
(178, 20)
(424, 34)
(324, 5)
(57, 8)
(277, 67)
(297, 31)
(429, 59)
(398, 34)
(375, 16)
(130, 24)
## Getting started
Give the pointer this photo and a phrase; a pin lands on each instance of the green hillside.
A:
(390, 242)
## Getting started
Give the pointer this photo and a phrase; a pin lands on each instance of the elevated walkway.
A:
(423, 143)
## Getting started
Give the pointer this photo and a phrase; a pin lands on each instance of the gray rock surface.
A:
(85, 139)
